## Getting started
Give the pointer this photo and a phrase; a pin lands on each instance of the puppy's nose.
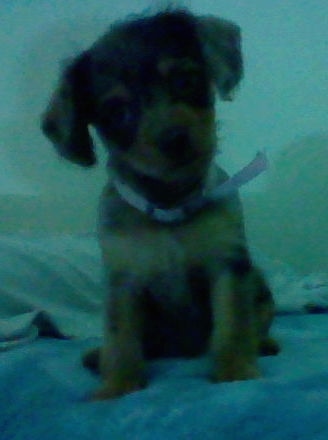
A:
(175, 142)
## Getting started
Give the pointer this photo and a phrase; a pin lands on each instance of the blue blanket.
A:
(43, 389)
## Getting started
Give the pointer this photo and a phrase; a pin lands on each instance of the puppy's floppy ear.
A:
(221, 42)
(65, 121)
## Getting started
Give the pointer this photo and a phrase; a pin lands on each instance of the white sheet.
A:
(58, 279)
(43, 388)
(51, 285)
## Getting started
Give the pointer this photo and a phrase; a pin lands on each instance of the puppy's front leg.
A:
(234, 343)
(121, 357)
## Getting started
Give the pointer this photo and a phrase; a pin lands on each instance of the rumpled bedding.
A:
(51, 283)
(51, 293)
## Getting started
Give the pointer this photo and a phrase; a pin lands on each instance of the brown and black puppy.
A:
(180, 280)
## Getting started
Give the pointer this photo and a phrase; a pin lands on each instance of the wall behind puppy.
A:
(281, 106)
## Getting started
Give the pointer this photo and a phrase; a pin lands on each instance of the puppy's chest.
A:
(133, 242)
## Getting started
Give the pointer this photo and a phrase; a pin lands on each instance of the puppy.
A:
(180, 279)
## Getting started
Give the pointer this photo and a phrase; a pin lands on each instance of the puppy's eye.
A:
(116, 113)
(190, 85)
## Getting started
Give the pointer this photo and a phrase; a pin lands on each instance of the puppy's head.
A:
(148, 88)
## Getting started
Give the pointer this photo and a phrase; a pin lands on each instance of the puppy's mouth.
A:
(167, 167)
(176, 146)
(171, 169)
(169, 194)
(168, 184)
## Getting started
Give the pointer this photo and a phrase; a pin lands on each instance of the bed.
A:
(51, 287)
(51, 295)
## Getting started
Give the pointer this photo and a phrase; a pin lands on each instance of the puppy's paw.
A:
(269, 347)
(91, 360)
(117, 388)
(235, 369)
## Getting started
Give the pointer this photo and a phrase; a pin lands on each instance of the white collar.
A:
(195, 203)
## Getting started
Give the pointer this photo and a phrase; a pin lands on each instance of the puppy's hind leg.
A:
(121, 357)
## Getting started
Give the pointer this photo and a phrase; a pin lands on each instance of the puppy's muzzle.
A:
(176, 144)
